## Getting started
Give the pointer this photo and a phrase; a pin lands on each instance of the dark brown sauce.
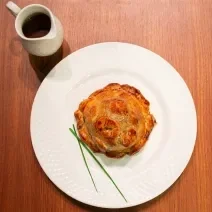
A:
(37, 25)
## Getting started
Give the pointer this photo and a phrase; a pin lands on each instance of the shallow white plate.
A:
(141, 177)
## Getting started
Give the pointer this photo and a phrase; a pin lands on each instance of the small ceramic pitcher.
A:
(40, 46)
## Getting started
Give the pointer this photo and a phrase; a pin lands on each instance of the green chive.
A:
(84, 159)
(89, 151)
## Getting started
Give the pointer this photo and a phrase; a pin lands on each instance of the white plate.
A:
(141, 177)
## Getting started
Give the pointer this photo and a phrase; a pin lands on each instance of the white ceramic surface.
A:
(141, 177)
(42, 46)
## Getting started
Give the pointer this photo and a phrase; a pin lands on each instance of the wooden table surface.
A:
(178, 30)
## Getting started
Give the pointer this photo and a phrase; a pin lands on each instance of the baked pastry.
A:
(115, 120)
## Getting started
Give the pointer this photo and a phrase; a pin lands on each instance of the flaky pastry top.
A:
(115, 120)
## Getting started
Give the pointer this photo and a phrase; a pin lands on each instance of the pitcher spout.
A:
(53, 30)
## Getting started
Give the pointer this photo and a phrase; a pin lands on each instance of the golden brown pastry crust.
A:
(115, 120)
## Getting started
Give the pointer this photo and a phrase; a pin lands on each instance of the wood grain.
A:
(178, 30)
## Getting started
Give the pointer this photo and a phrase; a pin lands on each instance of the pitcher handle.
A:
(13, 8)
